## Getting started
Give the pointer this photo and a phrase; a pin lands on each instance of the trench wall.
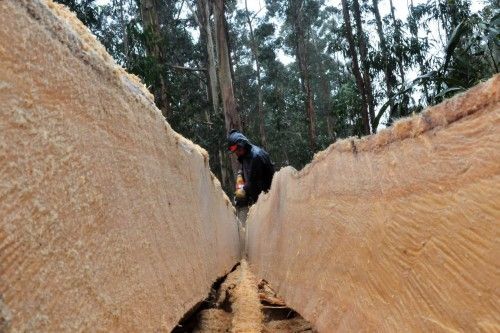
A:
(396, 232)
(109, 220)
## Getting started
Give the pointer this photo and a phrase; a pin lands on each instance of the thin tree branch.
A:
(256, 13)
(193, 69)
(180, 10)
(194, 14)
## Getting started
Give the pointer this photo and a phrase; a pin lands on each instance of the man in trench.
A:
(257, 172)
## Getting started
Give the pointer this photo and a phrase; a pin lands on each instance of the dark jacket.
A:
(258, 170)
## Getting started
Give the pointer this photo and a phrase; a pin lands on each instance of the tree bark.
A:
(363, 54)
(203, 8)
(325, 100)
(330, 125)
(154, 48)
(231, 115)
(302, 60)
(223, 170)
(202, 17)
(326, 103)
(355, 67)
(402, 108)
(413, 25)
(390, 80)
(397, 37)
(260, 100)
(123, 27)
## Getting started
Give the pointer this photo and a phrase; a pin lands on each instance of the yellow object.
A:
(240, 182)
(240, 193)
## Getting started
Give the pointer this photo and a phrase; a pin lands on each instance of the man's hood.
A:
(236, 137)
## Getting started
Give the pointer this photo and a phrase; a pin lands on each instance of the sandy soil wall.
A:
(397, 232)
(109, 220)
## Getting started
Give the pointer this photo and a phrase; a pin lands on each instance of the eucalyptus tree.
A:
(254, 46)
(298, 17)
(156, 43)
(353, 54)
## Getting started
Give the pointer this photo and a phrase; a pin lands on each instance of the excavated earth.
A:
(111, 221)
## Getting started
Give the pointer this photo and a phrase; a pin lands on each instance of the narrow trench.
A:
(238, 302)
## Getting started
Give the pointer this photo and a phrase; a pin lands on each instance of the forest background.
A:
(295, 75)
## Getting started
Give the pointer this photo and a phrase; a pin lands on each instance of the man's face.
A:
(240, 151)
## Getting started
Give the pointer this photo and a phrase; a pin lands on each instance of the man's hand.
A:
(240, 194)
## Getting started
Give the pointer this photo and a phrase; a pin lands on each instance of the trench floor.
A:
(240, 303)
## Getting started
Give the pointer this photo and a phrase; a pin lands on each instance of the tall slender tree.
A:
(398, 41)
(300, 28)
(203, 14)
(390, 79)
(255, 53)
(355, 66)
(149, 10)
(231, 114)
(365, 66)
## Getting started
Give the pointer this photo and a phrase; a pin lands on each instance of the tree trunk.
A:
(402, 108)
(123, 27)
(301, 55)
(330, 125)
(260, 100)
(363, 54)
(203, 8)
(325, 100)
(202, 17)
(223, 169)
(397, 38)
(154, 48)
(413, 25)
(355, 67)
(231, 115)
(390, 80)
